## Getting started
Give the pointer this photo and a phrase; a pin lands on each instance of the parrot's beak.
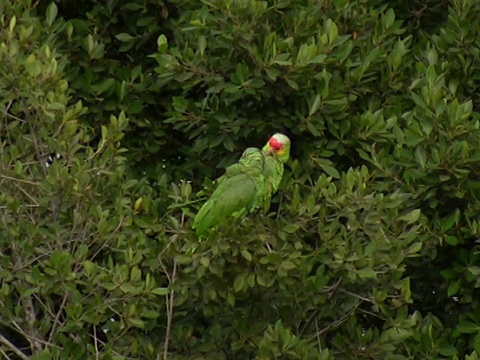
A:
(270, 151)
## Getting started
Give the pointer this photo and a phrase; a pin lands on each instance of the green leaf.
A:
(421, 156)
(288, 265)
(51, 13)
(449, 351)
(290, 228)
(262, 280)
(103, 86)
(367, 273)
(239, 283)
(12, 23)
(135, 274)
(162, 43)
(160, 291)
(202, 44)
(315, 105)
(414, 248)
(468, 327)
(330, 170)
(246, 254)
(454, 287)
(411, 217)
(451, 240)
(123, 37)
(475, 270)
(230, 299)
(282, 62)
(432, 57)
(139, 323)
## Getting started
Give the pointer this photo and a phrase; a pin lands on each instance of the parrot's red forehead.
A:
(275, 144)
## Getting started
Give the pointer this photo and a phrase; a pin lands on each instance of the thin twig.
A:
(7, 114)
(336, 322)
(318, 336)
(37, 149)
(25, 193)
(29, 337)
(12, 347)
(95, 341)
(332, 290)
(19, 180)
(169, 303)
(56, 322)
(106, 242)
(29, 206)
(5, 354)
(363, 298)
(279, 206)
(100, 148)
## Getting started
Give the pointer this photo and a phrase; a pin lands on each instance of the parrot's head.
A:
(278, 145)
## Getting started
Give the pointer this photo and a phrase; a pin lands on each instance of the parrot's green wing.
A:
(273, 176)
(239, 191)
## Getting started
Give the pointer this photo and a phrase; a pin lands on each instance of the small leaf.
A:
(246, 254)
(13, 22)
(51, 14)
(451, 240)
(414, 248)
(475, 270)
(136, 274)
(104, 85)
(290, 228)
(123, 37)
(162, 43)
(205, 261)
(160, 291)
(282, 62)
(432, 57)
(366, 273)
(454, 287)
(315, 105)
(330, 170)
(202, 44)
(421, 156)
(138, 204)
(239, 283)
(449, 351)
(139, 323)
(411, 217)
(288, 265)
(468, 327)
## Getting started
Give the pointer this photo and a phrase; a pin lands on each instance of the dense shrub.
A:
(370, 248)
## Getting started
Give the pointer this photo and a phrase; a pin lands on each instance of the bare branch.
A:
(31, 319)
(170, 298)
(7, 114)
(57, 322)
(12, 347)
(19, 180)
(336, 322)
(95, 341)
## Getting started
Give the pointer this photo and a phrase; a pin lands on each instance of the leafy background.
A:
(369, 250)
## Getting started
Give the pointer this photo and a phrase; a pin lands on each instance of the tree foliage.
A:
(369, 250)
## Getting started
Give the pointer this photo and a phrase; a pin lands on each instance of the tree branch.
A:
(12, 347)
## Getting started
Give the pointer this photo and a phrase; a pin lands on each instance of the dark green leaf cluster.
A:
(370, 249)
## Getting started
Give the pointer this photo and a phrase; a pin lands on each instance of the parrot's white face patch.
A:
(282, 139)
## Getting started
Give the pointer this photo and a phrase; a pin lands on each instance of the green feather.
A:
(243, 188)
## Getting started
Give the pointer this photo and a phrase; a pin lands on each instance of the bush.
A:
(368, 251)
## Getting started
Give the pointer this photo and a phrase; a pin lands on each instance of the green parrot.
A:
(245, 185)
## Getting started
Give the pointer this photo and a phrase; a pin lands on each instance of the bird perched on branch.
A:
(245, 185)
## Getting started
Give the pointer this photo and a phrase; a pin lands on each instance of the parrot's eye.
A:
(275, 144)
